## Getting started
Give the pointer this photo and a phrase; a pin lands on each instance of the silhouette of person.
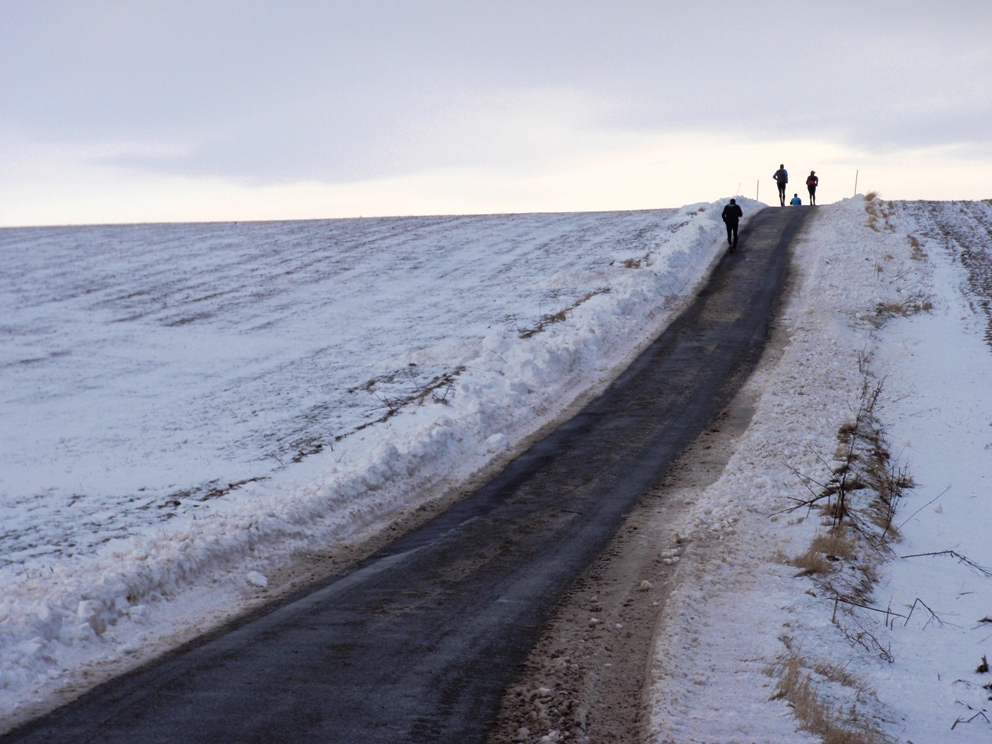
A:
(796, 201)
(811, 183)
(731, 216)
(781, 177)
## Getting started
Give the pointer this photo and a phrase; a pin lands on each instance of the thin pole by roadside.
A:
(855, 183)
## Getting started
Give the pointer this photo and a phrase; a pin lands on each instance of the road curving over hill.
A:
(419, 641)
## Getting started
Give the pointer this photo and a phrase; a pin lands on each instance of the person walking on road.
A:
(781, 177)
(796, 201)
(811, 183)
(731, 216)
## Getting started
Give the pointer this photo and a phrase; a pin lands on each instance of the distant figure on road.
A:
(731, 216)
(796, 201)
(811, 183)
(781, 177)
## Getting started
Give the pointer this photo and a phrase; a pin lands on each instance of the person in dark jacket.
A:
(811, 183)
(731, 216)
(781, 177)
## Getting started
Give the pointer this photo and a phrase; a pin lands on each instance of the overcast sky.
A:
(147, 111)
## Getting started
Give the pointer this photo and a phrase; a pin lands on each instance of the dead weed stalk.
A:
(857, 503)
(864, 488)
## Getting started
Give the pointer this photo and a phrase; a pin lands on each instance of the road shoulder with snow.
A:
(788, 624)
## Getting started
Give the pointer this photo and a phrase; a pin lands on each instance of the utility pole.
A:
(855, 183)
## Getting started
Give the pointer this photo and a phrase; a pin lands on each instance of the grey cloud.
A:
(288, 91)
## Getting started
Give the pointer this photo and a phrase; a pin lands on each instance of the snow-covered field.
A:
(886, 641)
(185, 406)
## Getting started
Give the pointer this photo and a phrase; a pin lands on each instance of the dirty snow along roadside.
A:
(881, 283)
(285, 386)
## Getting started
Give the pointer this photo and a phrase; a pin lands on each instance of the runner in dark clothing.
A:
(811, 183)
(731, 216)
(781, 177)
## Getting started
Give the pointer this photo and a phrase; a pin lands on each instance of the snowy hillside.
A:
(156, 365)
(184, 406)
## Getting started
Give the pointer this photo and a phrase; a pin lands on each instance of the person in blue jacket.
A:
(731, 216)
(781, 177)
(796, 201)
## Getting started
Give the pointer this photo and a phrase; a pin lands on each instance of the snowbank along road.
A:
(419, 642)
(198, 419)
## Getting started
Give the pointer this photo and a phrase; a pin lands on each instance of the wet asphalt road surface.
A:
(418, 643)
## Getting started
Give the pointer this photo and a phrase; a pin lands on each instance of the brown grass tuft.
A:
(917, 253)
(812, 563)
(835, 544)
(847, 428)
(835, 511)
(817, 715)
(904, 309)
(841, 676)
(824, 552)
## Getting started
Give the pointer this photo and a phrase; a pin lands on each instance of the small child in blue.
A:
(796, 201)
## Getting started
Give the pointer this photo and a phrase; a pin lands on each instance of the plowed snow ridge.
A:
(217, 397)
